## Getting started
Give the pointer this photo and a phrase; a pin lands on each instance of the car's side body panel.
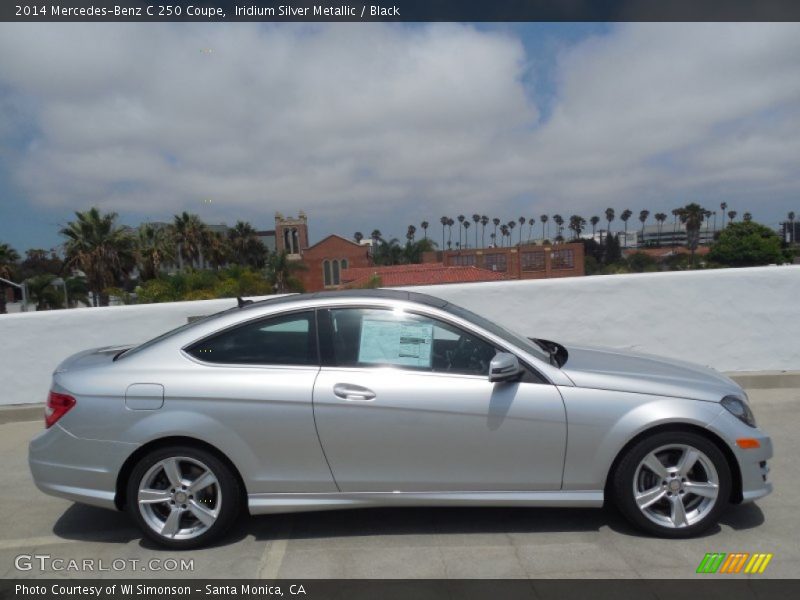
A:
(462, 434)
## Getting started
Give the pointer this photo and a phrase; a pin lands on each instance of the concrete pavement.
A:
(406, 543)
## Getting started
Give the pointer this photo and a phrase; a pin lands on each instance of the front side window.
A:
(371, 337)
(284, 340)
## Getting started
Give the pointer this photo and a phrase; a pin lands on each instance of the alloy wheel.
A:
(179, 498)
(676, 486)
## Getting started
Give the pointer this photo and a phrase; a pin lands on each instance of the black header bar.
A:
(400, 10)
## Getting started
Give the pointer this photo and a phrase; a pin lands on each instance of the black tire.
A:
(226, 487)
(623, 481)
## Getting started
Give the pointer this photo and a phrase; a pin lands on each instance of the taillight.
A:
(57, 406)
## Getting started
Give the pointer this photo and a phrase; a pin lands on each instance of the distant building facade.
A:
(415, 274)
(529, 261)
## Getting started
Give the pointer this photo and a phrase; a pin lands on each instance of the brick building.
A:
(335, 261)
(422, 274)
(324, 261)
(528, 261)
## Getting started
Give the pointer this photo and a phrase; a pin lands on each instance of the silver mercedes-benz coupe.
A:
(389, 398)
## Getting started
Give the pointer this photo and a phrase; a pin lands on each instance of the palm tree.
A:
(747, 217)
(493, 237)
(484, 223)
(476, 218)
(511, 225)
(692, 216)
(505, 232)
(153, 249)
(8, 260)
(375, 236)
(460, 220)
(281, 273)
(358, 236)
(245, 247)
(411, 232)
(660, 218)
(190, 233)
(577, 224)
(412, 253)
(521, 221)
(643, 218)
(443, 221)
(466, 230)
(218, 250)
(43, 293)
(732, 215)
(723, 206)
(531, 223)
(450, 223)
(609, 218)
(559, 221)
(100, 248)
(626, 214)
(675, 213)
(77, 291)
(496, 222)
(791, 226)
(544, 219)
(424, 226)
(594, 221)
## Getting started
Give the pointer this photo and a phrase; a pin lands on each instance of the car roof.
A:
(352, 294)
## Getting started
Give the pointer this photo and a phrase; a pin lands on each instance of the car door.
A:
(403, 403)
(256, 380)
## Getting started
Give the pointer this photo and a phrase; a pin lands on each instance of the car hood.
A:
(609, 369)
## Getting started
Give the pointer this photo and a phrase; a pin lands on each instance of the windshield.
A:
(501, 332)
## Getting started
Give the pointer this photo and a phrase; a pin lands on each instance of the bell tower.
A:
(291, 234)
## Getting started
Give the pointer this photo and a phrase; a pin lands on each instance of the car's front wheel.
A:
(672, 484)
(183, 497)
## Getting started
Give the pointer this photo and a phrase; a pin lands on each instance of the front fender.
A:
(600, 423)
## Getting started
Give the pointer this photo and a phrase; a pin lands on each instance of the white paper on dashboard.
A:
(388, 341)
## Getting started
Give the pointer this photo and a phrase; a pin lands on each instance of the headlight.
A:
(739, 409)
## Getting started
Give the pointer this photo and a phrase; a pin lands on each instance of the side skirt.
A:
(260, 504)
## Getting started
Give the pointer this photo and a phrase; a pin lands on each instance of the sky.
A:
(380, 125)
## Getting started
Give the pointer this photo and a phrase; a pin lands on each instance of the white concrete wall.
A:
(732, 319)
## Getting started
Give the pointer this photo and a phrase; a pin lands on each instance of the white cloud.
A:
(381, 124)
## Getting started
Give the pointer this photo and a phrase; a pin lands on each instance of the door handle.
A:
(353, 393)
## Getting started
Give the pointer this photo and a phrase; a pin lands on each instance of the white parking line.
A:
(272, 559)
(48, 540)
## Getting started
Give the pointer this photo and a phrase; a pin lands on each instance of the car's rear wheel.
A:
(183, 497)
(673, 484)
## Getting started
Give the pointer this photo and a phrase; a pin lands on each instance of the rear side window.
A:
(285, 340)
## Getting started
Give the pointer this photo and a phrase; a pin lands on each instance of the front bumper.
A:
(75, 468)
(753, 462)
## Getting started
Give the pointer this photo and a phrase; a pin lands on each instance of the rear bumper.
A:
(81, 470)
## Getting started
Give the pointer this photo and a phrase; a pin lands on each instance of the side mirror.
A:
(504, 367)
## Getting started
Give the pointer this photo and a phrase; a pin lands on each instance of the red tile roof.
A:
(421, 274)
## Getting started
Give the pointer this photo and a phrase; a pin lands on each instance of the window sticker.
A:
(389, 341)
